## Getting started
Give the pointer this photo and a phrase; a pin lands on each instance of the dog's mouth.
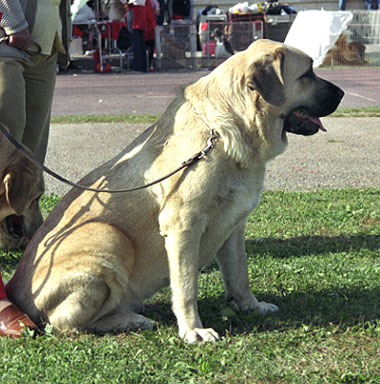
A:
(302, 123)
(15, 226)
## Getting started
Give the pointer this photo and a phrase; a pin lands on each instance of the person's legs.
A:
(40, 76)
(12, 96)
(141, 62)
(139, 52)
(150, 48)
(26, 95)
(371, 5)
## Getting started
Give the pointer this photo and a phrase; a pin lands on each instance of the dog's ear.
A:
(17, 191)
(265, 77)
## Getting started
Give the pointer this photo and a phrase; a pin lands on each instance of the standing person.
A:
(34, 36)
(136, 25)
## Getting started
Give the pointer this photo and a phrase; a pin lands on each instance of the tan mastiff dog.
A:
(21, 186)
(99, 255)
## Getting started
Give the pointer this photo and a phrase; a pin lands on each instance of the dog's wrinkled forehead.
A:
(296, 62)
(293, 61)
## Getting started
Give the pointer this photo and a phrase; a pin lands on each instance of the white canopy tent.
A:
(316, 32)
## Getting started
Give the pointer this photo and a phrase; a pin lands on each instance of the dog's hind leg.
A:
(233, 264)
(88, 280)
(122, 321)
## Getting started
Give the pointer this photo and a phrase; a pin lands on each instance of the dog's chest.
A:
(238, 194)
(229, 210)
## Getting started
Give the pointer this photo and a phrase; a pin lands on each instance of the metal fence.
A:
(359, 45)
(176, 45)
(180, 45)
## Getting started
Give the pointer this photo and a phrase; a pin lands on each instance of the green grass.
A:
(133, 118)
(314, 254)
(357, 112)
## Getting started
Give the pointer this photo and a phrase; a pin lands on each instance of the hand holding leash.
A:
(22, 41)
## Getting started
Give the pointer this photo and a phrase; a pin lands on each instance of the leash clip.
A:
(211, 141)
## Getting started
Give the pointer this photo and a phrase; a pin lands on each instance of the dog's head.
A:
(20, 190)
(284, 78)
(270, 89)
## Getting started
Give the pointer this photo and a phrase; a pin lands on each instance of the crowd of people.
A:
(140, 18)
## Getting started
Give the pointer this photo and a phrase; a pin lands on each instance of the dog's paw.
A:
(200, 334)
(142, 322)
(263, 308)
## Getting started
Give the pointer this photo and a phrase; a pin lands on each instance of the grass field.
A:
(131, 118)
(314, 254)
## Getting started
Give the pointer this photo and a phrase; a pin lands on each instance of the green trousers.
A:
(26, 96)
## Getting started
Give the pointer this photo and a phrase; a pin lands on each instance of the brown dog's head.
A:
(20, 190)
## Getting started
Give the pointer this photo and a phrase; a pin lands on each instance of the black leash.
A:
(198, 156)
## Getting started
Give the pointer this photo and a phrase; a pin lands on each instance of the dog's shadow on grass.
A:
(341, 307)
(311, 245)
(344, 307)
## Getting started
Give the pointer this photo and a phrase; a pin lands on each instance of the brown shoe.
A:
(12, 322)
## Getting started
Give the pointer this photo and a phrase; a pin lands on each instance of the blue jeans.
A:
(371, 4)
(138, 45)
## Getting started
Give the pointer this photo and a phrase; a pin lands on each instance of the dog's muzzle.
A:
(304, 120)
(301, 123)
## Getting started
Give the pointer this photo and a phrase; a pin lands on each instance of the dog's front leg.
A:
(233, 264)
(182, 246)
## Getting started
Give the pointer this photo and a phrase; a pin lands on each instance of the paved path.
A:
(152, 92)
(347, 155)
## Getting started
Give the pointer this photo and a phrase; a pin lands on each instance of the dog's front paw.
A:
(263, 308)
(200, 334)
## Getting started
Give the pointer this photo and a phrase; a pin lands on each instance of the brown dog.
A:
(98, 255)
(346, 53)
(20, 190)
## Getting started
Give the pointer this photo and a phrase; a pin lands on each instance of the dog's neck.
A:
(240, 144)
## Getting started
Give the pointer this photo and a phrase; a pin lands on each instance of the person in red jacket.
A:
(136, 25)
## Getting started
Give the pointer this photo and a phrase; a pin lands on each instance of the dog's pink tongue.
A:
(314, 120)
(318, 122)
